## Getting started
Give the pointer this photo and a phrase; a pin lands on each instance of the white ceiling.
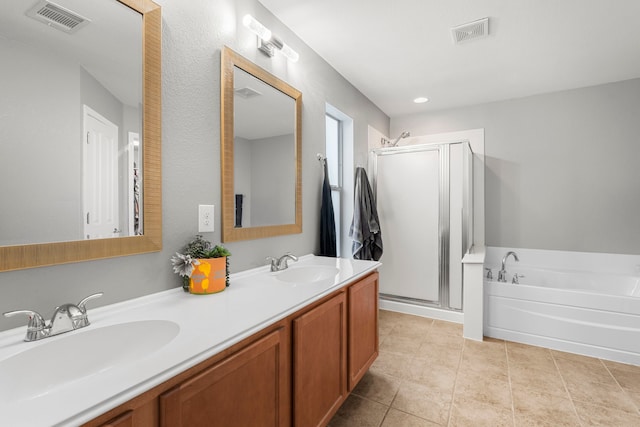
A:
(396, 50)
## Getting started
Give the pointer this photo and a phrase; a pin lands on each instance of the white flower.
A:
(183, 264)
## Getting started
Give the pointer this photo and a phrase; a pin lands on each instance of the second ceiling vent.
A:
(470, 31)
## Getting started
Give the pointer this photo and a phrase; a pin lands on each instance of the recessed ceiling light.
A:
(421, 100)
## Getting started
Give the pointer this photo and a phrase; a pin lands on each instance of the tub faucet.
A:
(280, 264)
(502, 274)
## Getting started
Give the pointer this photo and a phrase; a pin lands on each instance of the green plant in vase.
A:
(185, 263)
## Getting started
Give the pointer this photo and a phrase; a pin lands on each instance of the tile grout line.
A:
(455, 382)
(513, 405)
(625, 391)
(566, 387)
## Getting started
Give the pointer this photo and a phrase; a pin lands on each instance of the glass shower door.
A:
(407, 185)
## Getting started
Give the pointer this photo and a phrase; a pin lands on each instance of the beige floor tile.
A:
(443, 341)
(592, 415)
(400, 345)
(629, 380)
(490, 346)
(542, 381)
(471, 413)
(531, 357)
(378, 387)
(446, 353)
(475, 358)
(359, 412)
(384, 329)
(397, 418)
(610, 396)
(479, 363)
(478, 387)
(417, 333)
(449, 359)
(539, 409)
(635, 397)
(517, 346)
(446, 328)
(576, 372)
(392, 316)
(397, 365)
(621, 366)
(437, 377)
(419, 400)
(575, 357)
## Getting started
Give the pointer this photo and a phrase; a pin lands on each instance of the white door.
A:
(100, 177)
(408, 202)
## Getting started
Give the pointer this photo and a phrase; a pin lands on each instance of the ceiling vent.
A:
(247, 93)
(470, 31)
(57, 16)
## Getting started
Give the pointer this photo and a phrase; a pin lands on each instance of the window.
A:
(334, 164)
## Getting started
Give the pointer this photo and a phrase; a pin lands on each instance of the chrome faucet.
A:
(281, 263)
(502, 274)
(67, 317)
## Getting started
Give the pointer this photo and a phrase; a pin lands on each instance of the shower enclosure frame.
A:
(444, 214)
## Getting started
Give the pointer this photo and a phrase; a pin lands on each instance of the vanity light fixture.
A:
(267, 41)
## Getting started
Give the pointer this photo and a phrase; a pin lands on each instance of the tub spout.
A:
(502, 274)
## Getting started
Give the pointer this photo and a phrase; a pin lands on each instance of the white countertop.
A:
(208, 324)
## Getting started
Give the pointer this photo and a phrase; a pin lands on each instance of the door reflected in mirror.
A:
(264, 153)
(261, 147)
(70, 99)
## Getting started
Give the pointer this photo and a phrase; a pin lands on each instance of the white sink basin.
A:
(78, 354)
(307, 274)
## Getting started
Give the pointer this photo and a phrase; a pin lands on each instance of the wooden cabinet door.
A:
(319, 362)
(363, 327)
(247, 389)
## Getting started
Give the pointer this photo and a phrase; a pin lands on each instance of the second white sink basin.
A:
(78, 354)
(307, 274)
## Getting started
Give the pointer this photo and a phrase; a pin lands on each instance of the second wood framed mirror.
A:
(261, 142)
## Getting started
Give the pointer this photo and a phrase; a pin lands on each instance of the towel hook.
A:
(322, 159)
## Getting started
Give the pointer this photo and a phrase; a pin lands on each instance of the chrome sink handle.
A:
(83, 320)
(274, 263)
(81, 304)
(37, 326)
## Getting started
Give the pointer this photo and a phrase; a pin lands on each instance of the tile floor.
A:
(428, 375)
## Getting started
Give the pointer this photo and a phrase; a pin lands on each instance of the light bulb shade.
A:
(256, 27)
(291, 54)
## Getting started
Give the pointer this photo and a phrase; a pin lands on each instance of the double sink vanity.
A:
(274, 349)
(281, 348)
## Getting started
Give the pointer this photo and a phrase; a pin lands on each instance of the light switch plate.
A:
(205, 218)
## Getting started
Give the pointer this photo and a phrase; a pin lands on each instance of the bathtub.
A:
(581, 303)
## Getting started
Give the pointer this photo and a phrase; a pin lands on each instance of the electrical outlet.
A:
(205, 218)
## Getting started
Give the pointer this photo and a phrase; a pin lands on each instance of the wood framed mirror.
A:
(41, 248)
(261, 145)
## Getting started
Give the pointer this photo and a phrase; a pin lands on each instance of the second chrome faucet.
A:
(279, 264)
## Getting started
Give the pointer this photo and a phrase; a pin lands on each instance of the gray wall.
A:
(193, 34)
(562, 169)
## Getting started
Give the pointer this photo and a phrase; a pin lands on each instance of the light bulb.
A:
(256, 27)
(421, 100)
(291, 54)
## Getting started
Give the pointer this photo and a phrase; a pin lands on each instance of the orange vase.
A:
(209, 277)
